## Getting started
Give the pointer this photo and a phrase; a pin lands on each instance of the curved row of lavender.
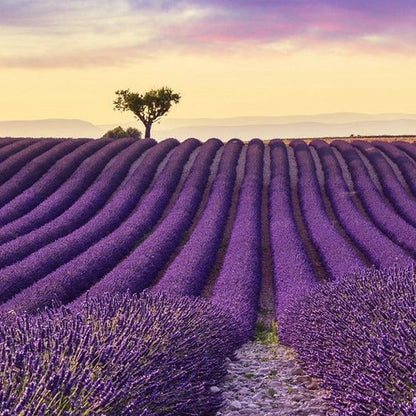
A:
(237, 286)
(81, 219)
(73, 219)
(119, 355)
(293, 272)
(189, 270)
(49, 182)
(325, 237)
(380, 212)
(64, 198)
(394, 188)
(140, 267)
(370, 240)
(358, 336)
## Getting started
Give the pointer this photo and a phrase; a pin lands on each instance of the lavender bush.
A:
(359, 336)
(10, 146)
(237, 287)
(383, 216)
(72, 277)
(64, 237)
(189, 270)
(18, 160)
(374, 244)
(29, 174)
(118, 355)
(402, 200)
(140, 267)
(50, 181)
(336, 254)
(398, 153)
(79, 186)
(292, 270)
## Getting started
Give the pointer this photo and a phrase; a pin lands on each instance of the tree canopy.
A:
(148, 107)
(119, 133)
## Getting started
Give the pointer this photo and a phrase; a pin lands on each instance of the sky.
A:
(226, 58)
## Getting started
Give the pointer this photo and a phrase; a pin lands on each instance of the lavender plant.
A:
(374, 244)
(292, 270)
(359, 336)
(71, 278)
(337, 255)
(237, 287)
(78, 186)
(137, 270)
(398, 195)
(118, 355)
(189, 270)
(65, 237)
(397, 153)
(50, 181)
(11, 145)
(18, 160)
(29, 174)
(46, 259)
(384, 217)
(6, 149)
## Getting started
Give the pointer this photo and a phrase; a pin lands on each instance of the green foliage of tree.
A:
(148, 107)
(119, 133)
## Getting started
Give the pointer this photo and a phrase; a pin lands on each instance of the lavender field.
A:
(130, 269)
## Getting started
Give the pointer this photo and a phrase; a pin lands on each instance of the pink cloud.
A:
(217, 26)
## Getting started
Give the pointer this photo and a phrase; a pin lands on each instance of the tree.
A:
(119, 133)
(148, 107)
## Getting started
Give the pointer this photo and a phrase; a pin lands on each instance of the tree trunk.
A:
(147, 132)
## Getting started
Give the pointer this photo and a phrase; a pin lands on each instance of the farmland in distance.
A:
(252, 228)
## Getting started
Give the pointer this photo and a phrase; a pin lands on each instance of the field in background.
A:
(250, 227)
(105, 215)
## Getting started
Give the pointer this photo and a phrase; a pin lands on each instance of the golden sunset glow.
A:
(66, 61)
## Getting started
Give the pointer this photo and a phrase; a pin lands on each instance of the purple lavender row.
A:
(49, 182)
(382, 215)
(119, 355)
(17, 161)
(237, 288)
(376, 246)
(398, 154)
(13, 146)
(4, 141)
(65, 198)
(409, 148)
(358, 336)
(80, 212)
(336, 253)
(33, 170)
(293, 274)
(189, 270)
(402, 201)
(20, 274)
(136, 271)
(70, 279)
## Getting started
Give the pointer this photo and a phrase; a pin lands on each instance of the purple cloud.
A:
(31, 32)
(306, 21)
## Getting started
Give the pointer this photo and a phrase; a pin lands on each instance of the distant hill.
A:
(293, 130)
(318, 125)
(48, 128)
(328, 118)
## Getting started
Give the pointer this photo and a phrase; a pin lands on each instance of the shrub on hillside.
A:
(359, 336)
(120, 133)
(116, 355)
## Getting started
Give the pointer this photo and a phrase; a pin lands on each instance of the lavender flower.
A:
(76, 187)
(50, 181)
(117, 355)
(358, 335)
